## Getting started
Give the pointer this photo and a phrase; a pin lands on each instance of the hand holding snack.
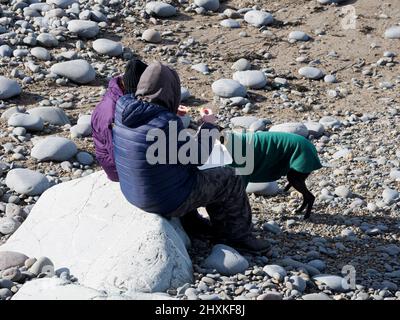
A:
(207, 115)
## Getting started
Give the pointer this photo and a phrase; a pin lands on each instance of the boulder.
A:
(211, 5)
(258, 18)
(228, 88)
(107, 47)
(160, 9)
(58, 289)
(87, 226)
(253, 79)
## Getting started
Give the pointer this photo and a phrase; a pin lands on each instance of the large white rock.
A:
(79, 71)
(87, 226)
(58, 289)
(8, 88)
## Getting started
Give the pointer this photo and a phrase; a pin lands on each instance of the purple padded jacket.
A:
(102, 122)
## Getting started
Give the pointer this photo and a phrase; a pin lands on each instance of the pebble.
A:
(291, 127)
(160, 9)
(9, 88)
(226, 260)
(42, 265)
(52, 115)
(30, 122)
(107, 47)
(26, 181)
(392, 32)
(84, 28)
(241, 65)
(210, 5)
(10, 259)
(316, 296)
(47, 40)
(8, 225)
(299, 36)
(41, 53)
(81, 130)
(54, 149)
(79, 71)
(228, 88)
(253, 79)
(335, 283)
(329, 122)
(84, 158)
(230, 23)
(330, 78)
(343, 192)
(270, 295)
(314, 128)
(258, 18)
(152, 36)
(311, 73)
(243, 121)
(275, 271)
(390, 196)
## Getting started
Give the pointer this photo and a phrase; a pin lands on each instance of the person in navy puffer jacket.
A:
(175, 189)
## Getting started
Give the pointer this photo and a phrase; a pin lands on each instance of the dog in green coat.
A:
(276, 154)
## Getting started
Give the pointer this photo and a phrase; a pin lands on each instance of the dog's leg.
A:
(297, 180)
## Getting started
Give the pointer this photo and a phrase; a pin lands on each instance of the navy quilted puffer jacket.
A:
(155, 188)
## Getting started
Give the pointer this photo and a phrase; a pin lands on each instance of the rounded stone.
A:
(275, 271)
(253, 79)
(28, 121)
(392, 32)
(258, 18)
(54, 149)
(84, 28)
(241, 65)
(10, 259)
(26, 181)
(47, 40)
(152, 36)
(5, 51)
(314, 128)
(9, 88)
(230, 23)
(160, 9)
(52, 115)
(107, 47)
(8, 225)
(228, 88)
(330, 78)
(210, 5)
(329, 122)
(226, 260)
(61, 3)
(79, 71)
(263, 188)
(81, 130)
(291, 127)
(311, 73)
(299, 36)
(42, 265)
(41, 53)
(84, 158)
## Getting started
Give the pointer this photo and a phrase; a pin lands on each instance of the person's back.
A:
(157, 188)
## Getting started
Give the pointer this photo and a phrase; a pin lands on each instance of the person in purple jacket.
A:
(103, 115)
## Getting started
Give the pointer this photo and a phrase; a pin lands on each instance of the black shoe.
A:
(197, 226)
(251, 245)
